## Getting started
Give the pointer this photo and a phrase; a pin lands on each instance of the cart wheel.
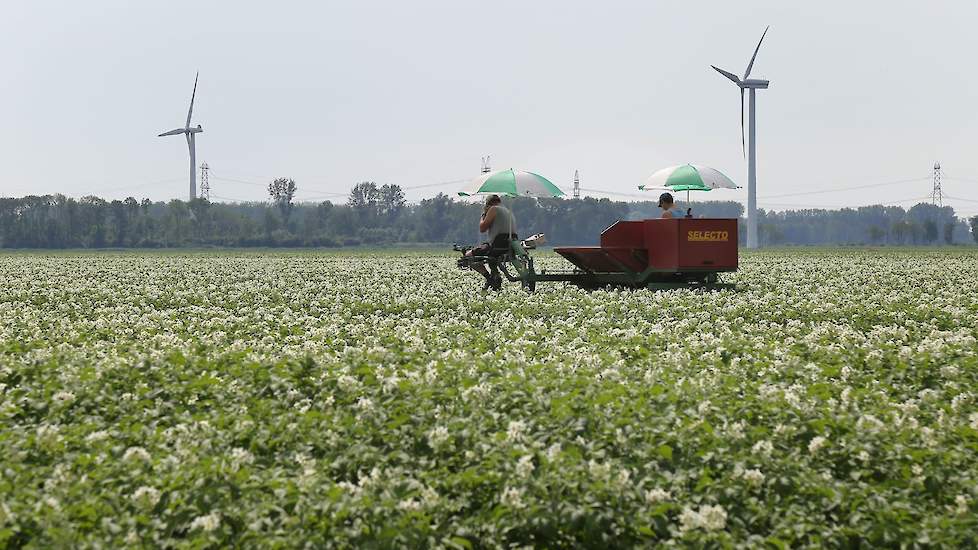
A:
(529, 286)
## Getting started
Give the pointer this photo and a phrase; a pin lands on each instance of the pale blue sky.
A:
(413, 93)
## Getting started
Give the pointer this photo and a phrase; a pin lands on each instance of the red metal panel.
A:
(624, 234)
(662, 243)
(624, 241)
(708, 243)
(632, 259)
(589, 258)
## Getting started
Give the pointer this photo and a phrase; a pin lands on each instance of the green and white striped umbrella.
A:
(688, 177)
(512, 183)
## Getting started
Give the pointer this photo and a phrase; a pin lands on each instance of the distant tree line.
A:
(379, 215)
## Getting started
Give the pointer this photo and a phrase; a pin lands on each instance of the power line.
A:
(785, 195)
(963, 180)
(959, 199)
(137, 186)
(249, 178)
(320, 192)
(233, 200)
(316, 197)
(782, 204)
(304, 188)
(850, 188)
(232, 180)
(615, 193)
(439, 184)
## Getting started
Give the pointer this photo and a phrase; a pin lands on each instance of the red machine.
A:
(659, 253)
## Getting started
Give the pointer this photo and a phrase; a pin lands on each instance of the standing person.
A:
(669, 208)
(500, 225)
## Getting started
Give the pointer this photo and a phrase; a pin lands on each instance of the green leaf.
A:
(665, 451)
(459, 542)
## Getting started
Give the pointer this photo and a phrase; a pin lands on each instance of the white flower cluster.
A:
(707, 518)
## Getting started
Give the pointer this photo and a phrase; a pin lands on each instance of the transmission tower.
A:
(936, 196)
(577, 185)
(485, 165)
(205, 181)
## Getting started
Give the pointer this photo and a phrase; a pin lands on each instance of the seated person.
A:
(500, 225)
(669, 208)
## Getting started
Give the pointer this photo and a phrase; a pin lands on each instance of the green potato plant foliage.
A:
(378, 399)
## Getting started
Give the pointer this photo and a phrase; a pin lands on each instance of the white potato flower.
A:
(439, 438)
(961, 504)
(146, 497)
(64, 397)
(513, 498)
(707, 518)
(515, 430)
(754, 477)
(133, 454)
(816, 444)
(763, 448)
(656, 495)
(209, 522)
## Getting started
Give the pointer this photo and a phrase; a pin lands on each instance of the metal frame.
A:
(519, 258)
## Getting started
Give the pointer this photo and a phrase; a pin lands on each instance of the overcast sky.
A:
(414, 93)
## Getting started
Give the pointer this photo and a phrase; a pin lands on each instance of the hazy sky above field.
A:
(414, 93)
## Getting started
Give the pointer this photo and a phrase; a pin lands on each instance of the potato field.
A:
(380, 399)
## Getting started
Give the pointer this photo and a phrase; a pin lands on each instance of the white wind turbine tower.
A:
(189, 132)
(749, 84)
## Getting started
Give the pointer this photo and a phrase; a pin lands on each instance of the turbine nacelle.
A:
(755, 83)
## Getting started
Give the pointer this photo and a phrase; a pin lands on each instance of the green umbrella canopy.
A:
(513, 183)
(688, 177)
(680, 187)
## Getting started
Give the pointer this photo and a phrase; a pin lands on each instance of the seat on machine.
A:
(499, 248)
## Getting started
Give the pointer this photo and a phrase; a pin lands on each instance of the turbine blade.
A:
(191, 111)
(728, 74)
(743, 145)
(751, 64)
(178, 131)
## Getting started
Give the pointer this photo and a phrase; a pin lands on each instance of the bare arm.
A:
(486, 221)
(667, 214)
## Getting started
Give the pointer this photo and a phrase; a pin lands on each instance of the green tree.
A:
(930, 232)
(282, 191)
(900, 231)
(876, 234)
(948, 232)
(390, 199)
(364, 198)
(121, 222)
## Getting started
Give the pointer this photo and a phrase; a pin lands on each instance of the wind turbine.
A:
(189, 132)
(749, 84)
